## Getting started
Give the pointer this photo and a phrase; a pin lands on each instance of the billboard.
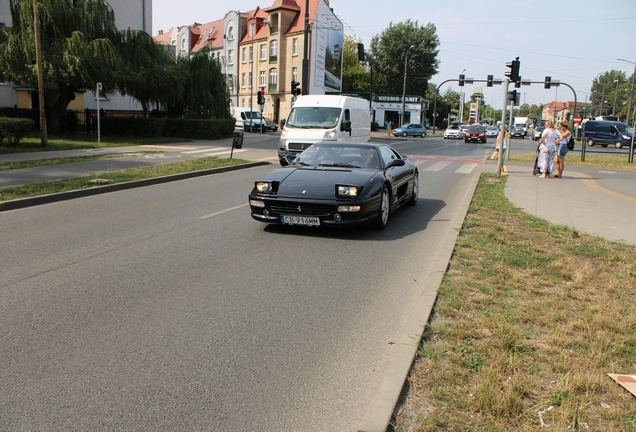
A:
(328, 46)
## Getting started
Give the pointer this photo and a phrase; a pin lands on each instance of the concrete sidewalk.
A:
(598, 201)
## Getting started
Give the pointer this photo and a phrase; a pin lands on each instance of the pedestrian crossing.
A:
(213, 151)
(459, 166)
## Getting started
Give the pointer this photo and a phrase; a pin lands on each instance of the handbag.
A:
(571, 142)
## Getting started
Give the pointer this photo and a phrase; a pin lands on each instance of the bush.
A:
(14, 129)
(375, 126)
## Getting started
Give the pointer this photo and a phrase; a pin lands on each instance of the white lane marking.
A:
(203, 151)
(466, 168)
(436, 167)
(224, 211)
(222, 152)
(608, 172)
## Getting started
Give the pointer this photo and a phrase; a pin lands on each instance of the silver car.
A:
(410, 129)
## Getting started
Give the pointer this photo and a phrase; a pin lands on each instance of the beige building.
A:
(557, 111)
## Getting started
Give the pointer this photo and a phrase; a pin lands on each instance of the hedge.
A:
(14, 129)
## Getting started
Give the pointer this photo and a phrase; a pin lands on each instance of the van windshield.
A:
(625, 129)
(313, 117)
(252, 114)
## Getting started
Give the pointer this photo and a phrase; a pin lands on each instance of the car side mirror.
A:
(396, 163)
(346, 125)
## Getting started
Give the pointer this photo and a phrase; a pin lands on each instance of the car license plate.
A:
(300, 220)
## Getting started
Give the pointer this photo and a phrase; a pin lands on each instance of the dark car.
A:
(410, 129)
(475, 133)
(337, 184)
(518, 132)
(270, 125)
(602, 132)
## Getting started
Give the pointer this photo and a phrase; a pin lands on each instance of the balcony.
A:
(273, 58)
(271, 88)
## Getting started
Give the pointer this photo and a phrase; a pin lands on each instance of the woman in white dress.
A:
(547, 149)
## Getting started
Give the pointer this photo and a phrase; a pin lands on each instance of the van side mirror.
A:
(346, 125)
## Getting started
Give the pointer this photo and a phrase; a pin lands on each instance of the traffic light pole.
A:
(502, 131)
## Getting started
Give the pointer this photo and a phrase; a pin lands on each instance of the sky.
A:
(570, 40)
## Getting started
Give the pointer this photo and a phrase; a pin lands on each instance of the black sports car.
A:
(337, 184)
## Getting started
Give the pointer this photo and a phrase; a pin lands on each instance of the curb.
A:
(81, 193)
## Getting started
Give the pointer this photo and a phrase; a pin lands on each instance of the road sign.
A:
(576, 119)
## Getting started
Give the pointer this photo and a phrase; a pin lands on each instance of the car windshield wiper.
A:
(340, 164)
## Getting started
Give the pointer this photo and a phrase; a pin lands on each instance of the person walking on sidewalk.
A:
(547, 150)
(562, 141)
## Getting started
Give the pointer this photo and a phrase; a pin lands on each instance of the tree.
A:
(604, 89)
(355, 73)
(390, 49)
(78, 48)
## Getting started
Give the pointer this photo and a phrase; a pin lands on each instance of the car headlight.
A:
(257, 203)
(264, 187)
(330, 135)
(347, 191)
(283, 134)
(626, 137)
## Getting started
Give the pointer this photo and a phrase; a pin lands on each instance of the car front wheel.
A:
(590, 143)
(404, 134)
(384, 209)
(416, 189)
(618, 144)
(423, 135)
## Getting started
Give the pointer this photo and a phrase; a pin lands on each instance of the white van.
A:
(246, 116)
(317, 118)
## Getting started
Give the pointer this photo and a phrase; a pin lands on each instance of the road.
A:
(168, 308)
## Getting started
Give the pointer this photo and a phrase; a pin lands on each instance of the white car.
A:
(453, 132)
(464, 129)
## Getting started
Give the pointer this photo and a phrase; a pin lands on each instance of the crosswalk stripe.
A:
(466, 168)
(222, 152)
(436, 167)
(203, 151)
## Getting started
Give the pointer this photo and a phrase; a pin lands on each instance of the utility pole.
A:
(305, 80)
(38, 59)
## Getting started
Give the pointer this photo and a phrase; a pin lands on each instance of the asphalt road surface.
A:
(169, 308)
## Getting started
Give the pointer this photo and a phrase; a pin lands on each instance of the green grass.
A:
(115, 176)
(32, 143)
(529, 315)
(7, 166)
(574, 159)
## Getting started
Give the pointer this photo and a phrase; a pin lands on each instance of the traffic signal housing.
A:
(462, 77)
(361, 56)
(547, 82)
(489, 81)
(518, 83)
(296, 91)
(260, 99)
(513, 95)
(513, 74)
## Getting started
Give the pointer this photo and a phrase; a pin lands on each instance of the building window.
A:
(262, 79)
(230, 33)
(243, 102)
(230, 57)
(183, 45)
(243, 55)
(250, 79)
(273, 51)
(243, 80)
(252, 30)
(251, 53)
(295, 46)
(263, 48)
(273, 79)
(230, 82)
(295, 74)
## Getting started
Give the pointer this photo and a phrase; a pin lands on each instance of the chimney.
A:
(160, 32)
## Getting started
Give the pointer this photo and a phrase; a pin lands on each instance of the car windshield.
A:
(476, 128)
(321, 155)
(625, 129)
(313, 117)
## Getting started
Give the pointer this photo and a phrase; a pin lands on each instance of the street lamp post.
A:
(253, 30)
(406, 56)
(615, 96)
(631, 118)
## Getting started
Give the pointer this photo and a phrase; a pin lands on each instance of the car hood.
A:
(316, 182)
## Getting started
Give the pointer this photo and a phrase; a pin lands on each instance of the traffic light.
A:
(260, 99)
(295, 89)
(461, 80)
(489, 81)
(512, 95)
(518, 83)
(547, 82)
(514, 70)
(361, 52)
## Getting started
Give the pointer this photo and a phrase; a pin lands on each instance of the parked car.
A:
(536, 132)
(602, 132)
(337, 184)
(475, 133)
(410, 129)
(492, 131)
(453, 132)
(518, 132)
